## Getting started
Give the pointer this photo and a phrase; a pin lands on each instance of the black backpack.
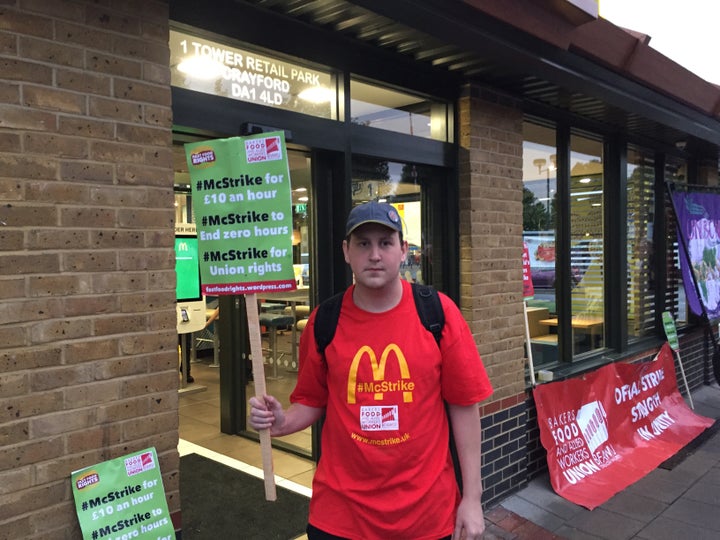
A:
(427, 303)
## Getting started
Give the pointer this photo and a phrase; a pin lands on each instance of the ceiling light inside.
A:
(200, 67)
(317, 94)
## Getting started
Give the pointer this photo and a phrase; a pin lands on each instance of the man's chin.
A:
(374, 282)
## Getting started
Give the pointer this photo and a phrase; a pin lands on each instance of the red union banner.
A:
(608, 429)
(528, 288)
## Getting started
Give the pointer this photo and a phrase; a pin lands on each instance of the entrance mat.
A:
(219, 502)
(689, 449)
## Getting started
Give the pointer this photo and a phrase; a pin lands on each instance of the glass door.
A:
(283, 315)
(409, 187)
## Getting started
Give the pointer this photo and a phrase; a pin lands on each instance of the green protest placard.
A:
(670, 330)
(122, 499)
(241, 196)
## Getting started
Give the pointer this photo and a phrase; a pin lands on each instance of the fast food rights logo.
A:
(202, 157)
(88, 479)
(140, 463)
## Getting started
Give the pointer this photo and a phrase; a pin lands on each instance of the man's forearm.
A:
(467, 433)
(297, 417)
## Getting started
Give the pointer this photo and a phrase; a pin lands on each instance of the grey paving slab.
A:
(712, 445)
(670, 529)
(696, 465)
(574, 534)
(695, 513)
(606, 524)
(635, 506)
(541, 493)
(661, 486)
(713, 475)
(705, 491)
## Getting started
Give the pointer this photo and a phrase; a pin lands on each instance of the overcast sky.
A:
(686, 31)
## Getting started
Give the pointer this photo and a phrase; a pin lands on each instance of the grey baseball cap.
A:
(373, 212)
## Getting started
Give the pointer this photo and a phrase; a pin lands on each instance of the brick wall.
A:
(88, 346)
(490, 193)
(504, 449)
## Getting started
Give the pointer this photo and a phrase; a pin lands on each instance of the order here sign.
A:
(242, 201)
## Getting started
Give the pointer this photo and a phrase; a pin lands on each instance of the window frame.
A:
(618, 341)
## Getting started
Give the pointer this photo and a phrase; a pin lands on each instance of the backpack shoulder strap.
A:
(326, 321)
(429, 308)
(427, 304)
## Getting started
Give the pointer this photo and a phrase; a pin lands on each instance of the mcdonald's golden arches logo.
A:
(378, 386)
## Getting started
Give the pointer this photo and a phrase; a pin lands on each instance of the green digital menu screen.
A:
(187, 268)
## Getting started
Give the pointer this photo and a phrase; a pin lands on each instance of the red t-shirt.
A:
(386, 470)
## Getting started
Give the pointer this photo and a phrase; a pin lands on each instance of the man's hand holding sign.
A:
(242, 201)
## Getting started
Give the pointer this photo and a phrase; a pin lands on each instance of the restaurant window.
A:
(587, 242)
(539, 218)
(676, 303)
(380, 107)
(640, 249)
(583, 241)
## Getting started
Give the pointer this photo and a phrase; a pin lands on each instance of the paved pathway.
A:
(664, 505)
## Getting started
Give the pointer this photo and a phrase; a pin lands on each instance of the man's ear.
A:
(345, 247)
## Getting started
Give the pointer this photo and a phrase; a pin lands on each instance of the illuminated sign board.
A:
(211, 67)
(187, 269)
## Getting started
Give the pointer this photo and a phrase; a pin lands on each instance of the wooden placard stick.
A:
(531, 367)
(251, 307)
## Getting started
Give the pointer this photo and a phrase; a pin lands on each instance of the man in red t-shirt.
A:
(382, 383)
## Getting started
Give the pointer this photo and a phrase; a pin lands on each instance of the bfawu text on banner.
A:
(609, 428)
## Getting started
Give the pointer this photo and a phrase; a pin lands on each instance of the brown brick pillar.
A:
(491, 234)
(88, 346)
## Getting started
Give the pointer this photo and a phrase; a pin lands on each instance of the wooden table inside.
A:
(589, 325)
(301, 295)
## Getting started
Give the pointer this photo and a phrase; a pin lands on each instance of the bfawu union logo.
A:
(379, 386)
(139, 464)
(264, 149)
(379, 418)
